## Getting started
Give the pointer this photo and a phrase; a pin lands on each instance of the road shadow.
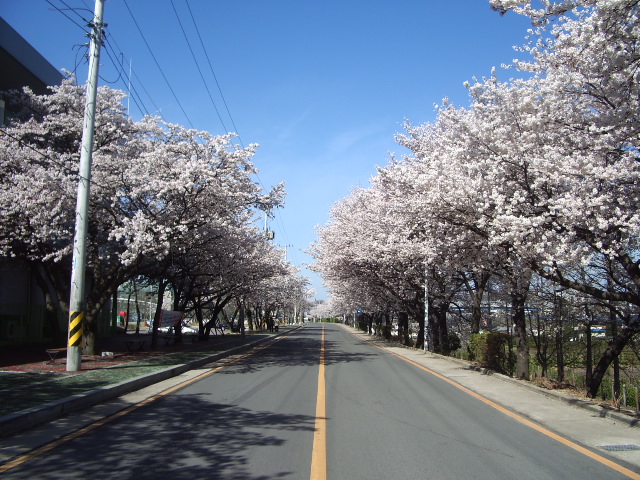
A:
(302, 348)
(181, 438)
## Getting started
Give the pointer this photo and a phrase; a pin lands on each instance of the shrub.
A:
(386, 332)
(490, 350)
(450, 343)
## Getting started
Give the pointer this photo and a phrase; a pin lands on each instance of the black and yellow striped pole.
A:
(78, 267)
(74, 345)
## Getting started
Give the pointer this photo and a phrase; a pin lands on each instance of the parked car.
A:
(189, 329)
(170, 330)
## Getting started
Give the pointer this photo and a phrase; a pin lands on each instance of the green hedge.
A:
(490, 350)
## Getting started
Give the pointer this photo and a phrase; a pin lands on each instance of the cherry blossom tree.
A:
(274, 296)
(358, 256)
(586, 201)
(153, 184)
(543, 169)
(435, 228)
(539, 174)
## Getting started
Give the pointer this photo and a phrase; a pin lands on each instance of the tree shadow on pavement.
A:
(302, 350)
(182, 438)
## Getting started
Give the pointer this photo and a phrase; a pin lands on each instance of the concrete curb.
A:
(604, 412)
(25, 419)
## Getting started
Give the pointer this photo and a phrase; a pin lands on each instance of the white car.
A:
(186, 329)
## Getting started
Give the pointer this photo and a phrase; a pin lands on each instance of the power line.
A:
(116, 64)
(204, 49)
(198, 67)
(133, 94)
(158, 65)
(82, 27)
(75, 10)
(235, 129)
(135, 75)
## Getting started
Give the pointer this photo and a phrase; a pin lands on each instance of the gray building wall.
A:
(21, 300)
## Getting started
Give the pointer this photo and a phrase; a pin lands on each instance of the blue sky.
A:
(322, 86)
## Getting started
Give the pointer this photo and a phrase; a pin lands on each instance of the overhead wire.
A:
(75, 10)
(198, 67)
(276, 214)
(111, 39)
(82, 27)
(61, 10)
(235, 129)
(137, 99)
(133, 93)
(117, 65)
(158, 65)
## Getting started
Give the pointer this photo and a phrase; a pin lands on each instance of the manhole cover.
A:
(620, 448)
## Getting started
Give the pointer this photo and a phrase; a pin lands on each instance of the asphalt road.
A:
(255, 419)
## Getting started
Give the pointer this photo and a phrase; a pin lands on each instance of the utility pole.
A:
(286, 252)
(426, 333)
(77, 302)
(268, 234)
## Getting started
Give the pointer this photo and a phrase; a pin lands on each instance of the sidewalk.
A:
(35, 390)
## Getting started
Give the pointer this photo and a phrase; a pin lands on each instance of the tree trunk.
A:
(588, 371)
(560, 353)
(221, 303)
(52, 313)
(138, 315)
(520, 326)
(403, 326)
(249, 314)
(615, 347)
(476, 291)
(439, 328)
(162, 285)
(90, 332)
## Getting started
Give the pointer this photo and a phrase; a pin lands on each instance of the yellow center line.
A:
(319, 453)
(73, 435)
(598, 458)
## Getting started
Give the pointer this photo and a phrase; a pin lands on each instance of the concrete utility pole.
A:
(77, 302)
(269, 234)
(426, 333)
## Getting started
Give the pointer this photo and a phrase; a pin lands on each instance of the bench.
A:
(130, 344)
(53, 353)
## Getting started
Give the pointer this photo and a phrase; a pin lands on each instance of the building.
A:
(21, 300)
(22, 65)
